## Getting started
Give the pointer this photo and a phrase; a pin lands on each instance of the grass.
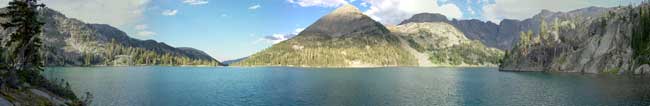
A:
(613, 71)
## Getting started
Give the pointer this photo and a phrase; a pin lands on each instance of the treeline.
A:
(542, 48)
(641, 36)
(21, 59)
(331, 53)
(471, 53)
(116, 54)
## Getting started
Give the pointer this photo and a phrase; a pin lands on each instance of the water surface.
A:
(198, 86)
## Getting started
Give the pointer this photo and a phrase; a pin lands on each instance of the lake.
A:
(282, 86)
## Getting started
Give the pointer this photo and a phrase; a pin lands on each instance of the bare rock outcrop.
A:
(582, 44)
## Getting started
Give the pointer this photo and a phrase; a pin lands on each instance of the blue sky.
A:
(230, 29)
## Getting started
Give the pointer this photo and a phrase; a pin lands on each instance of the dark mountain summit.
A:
(425, 17)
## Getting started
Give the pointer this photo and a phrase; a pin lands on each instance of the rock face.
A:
(506, 33)
(643, 69)
(425, 17)
(436, 34)
(67, 39)
(577, 43)
(344, 38)
(441, 44)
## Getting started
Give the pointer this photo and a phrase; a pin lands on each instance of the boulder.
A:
(5, 102)
(643, 69)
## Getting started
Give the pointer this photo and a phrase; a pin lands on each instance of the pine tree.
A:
(109, 52)
(88, 57)
(543, 32)
(24, 42)
(641, 36)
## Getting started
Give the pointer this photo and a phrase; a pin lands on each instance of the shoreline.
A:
(261, 66)
(436, 66)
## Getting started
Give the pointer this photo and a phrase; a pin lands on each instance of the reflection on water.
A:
(355, 86)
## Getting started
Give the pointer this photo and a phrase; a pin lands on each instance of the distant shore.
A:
(433, 66)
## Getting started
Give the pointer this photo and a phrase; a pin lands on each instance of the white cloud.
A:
(298, 30)
(195, 2)
(319, 3)
(170, 12)
(518, 9)
(254, 7)
(145, 34)
(391, 11)
(142, 31)
(141, 27)
(122, 14)
(118, 13)
(395, 11)
(277, 38)
(364, 4)
(471, 11)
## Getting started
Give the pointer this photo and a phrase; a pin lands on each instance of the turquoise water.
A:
(199, 86)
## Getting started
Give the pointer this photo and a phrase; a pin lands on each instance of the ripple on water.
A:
(340, 86)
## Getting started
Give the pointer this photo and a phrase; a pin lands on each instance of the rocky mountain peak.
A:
(425, 17)
(346, 9)
(345, 20)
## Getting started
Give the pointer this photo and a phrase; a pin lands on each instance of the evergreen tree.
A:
(24, 43)
(543, 32)
(641, 36)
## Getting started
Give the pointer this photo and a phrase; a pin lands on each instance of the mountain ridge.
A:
(616, 42)
(343, 38)
(71, 42)
(504, 34)
(348, 38)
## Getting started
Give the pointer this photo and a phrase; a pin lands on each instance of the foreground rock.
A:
(32, 97)
(643, 69)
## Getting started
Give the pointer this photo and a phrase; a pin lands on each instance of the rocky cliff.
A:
(506, 33)
(441, 44)
(578, 43)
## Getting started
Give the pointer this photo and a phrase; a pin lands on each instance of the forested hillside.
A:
(70, 42)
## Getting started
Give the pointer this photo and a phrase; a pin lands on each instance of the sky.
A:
(231, 29)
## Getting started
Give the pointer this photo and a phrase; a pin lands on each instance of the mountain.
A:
(348, 38)
(229, 62)
(71, 42)
(441, 44)
(617, 42)
(425, 17)
(506, 33)
(343, 38)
